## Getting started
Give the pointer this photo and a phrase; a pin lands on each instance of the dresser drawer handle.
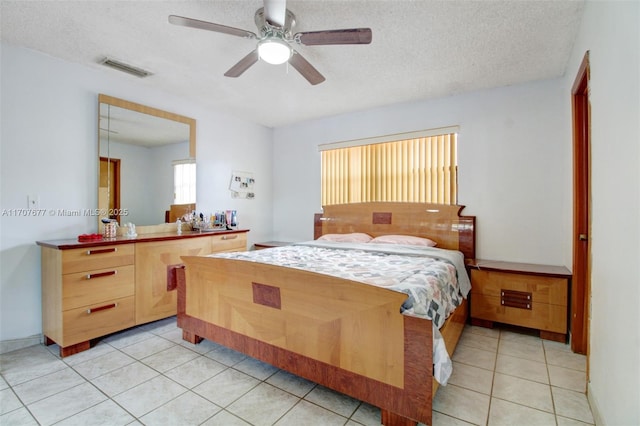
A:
(101, 274)
(229, 237)
(109, 250)
(101, 308)
(516, 299)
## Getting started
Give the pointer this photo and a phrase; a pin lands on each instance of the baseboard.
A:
(15, 344)
(597, 418)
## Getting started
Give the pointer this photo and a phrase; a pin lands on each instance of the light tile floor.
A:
(149, 375)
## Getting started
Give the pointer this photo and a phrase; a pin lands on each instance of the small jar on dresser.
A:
(522, 294)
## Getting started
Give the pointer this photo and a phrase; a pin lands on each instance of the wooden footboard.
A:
(345, 335)
(342, 334)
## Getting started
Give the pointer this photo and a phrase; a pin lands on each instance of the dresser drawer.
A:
(542, 316)
(88, 259)
(95, 320)
(549, 290)
(229, 242)
(86, 288)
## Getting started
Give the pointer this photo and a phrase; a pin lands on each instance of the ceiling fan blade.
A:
(243, 64)
(209, 26)
(346, 36)
(275, 12)
(306, 69)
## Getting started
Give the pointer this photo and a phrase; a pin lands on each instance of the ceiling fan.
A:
(275, 23)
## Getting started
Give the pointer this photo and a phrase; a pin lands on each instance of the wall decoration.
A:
(241, 185)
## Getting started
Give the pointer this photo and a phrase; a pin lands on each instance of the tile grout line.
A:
(493, 377)
(10, 387)
(553, 400)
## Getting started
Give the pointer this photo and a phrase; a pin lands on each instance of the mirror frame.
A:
(144, 109)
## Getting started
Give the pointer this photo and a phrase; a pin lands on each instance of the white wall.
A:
(163, 158)
(611, 34)
(137, 193)
(49, 148)
(514, 166)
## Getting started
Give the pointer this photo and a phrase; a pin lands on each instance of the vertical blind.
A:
(417, 169)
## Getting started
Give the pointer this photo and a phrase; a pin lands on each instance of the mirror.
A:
(139, 147)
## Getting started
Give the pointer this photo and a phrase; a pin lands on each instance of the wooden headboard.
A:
(439, 222)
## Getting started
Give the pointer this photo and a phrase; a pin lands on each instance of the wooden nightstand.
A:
(270, 244)
(522, 294)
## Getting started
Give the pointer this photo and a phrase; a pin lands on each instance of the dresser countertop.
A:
(67, 244)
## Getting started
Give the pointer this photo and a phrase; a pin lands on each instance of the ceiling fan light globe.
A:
(274, 51)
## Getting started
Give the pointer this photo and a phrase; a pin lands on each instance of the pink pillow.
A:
(403, 239)
(355, 237)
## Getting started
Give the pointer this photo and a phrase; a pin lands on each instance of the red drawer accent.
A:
(266, 295)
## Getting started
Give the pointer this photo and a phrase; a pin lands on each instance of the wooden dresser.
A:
(96, 288)
(522, 294)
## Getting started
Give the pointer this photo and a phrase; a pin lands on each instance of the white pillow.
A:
(355, 237)
(403, 239)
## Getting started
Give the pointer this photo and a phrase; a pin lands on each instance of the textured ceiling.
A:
(420, 49)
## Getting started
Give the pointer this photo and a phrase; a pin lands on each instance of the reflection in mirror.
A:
(146, 164)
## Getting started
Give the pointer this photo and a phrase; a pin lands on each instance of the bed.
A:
(338, 332)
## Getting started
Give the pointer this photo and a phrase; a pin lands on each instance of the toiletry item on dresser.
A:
(179, 227)
(227, 217)
(231, 218)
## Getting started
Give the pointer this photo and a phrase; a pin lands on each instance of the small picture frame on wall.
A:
(242, 185)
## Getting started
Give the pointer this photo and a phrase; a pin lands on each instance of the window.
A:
(184, 181)
(413, 167)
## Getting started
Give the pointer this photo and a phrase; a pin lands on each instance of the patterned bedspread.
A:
(435, 280)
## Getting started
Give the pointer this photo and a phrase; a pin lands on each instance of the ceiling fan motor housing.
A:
(266, 27)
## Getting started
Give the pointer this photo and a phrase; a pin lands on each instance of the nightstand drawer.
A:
(542, 316)
(89, 322)
(229, 242)
(521, 294)
(88, 259)
(549, 290)
(86, 288)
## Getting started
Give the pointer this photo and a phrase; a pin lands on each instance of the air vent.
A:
(129, 69)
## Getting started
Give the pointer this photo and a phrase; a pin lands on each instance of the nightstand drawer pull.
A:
(229, 237)
(101, 274)
(109, 250)
(515, 299)
(101, 308)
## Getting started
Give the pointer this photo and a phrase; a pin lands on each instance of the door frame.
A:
(581, 280)
(113, 211)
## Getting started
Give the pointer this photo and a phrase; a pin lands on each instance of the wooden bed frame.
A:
(345, 335)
